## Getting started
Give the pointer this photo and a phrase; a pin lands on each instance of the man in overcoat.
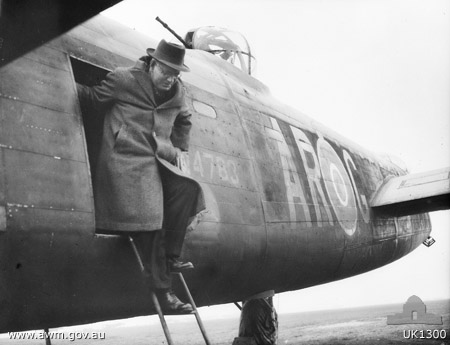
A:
(138, 188)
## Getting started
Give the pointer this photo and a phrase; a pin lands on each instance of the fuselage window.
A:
(204, 109)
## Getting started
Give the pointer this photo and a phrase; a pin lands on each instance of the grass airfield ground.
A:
(358, 326)
(366, 325)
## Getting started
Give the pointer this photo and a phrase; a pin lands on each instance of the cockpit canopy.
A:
(228, 45)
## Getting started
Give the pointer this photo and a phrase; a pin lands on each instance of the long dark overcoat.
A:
(127, 187)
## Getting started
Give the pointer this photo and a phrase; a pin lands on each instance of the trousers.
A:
(158, 245)
(180, 199)
(152, 250)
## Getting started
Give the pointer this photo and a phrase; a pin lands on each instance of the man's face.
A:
(163, 77)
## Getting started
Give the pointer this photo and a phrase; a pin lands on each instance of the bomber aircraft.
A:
(282, 190)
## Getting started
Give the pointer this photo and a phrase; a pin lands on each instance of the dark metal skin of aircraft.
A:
(26, 24)
(287, 198)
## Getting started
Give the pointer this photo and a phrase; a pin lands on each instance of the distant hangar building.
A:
(414, 312)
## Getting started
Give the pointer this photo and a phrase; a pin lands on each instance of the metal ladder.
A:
(158, 306)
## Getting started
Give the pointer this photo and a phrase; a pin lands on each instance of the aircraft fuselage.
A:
(288, 199)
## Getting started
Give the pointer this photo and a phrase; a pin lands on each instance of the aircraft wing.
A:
(412, 194)
(27, 24)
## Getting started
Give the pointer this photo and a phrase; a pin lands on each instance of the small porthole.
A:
(204, 109)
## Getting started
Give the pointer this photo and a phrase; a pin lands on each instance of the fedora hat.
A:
(169, 54)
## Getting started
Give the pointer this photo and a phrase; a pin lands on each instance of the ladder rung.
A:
(158, 306)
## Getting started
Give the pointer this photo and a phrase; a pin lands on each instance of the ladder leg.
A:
(153, 295)
(136, 253)
(47, 338)
(162, 319)
(191, 301)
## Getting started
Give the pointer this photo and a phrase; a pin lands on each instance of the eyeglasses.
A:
(168, 73)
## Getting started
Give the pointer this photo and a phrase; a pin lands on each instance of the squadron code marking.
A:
(330, 185)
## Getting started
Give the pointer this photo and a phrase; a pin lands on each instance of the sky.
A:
(375, 71)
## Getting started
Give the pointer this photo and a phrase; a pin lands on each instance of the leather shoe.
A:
(172, 304)
(177, 265)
